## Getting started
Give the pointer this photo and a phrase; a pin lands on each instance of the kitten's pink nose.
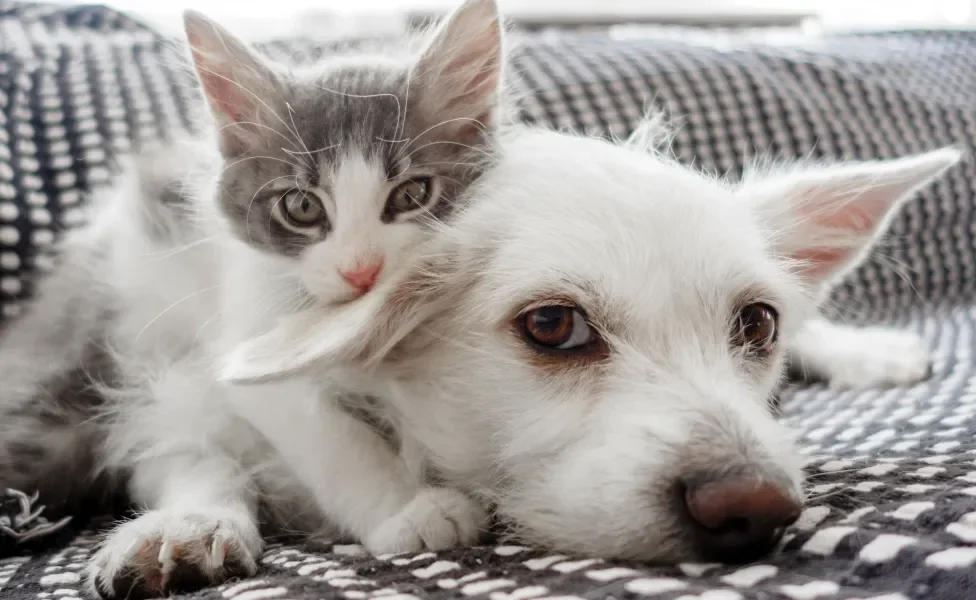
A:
(363, 277)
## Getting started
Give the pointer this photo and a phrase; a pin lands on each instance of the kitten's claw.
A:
(166, 552)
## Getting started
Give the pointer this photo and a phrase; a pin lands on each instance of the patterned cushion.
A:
(892, 507)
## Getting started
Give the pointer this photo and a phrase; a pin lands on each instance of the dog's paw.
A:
(879, 357)
(437, 518)
(165, 552)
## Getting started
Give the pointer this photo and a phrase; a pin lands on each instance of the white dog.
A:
(592, 346)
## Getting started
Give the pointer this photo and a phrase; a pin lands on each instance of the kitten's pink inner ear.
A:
(224, 94)
(481, 84)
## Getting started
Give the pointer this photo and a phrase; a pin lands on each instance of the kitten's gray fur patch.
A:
(49, 415)
(356, 105)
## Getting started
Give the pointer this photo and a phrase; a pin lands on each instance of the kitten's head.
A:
(342, 168)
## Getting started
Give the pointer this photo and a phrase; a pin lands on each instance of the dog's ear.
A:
(826, 218)
(240, 87)
(360, 333)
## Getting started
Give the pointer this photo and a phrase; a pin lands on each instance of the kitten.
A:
(319, 182)
(335, 170)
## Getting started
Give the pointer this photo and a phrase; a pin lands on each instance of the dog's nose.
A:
(363, 277)
(739, 520)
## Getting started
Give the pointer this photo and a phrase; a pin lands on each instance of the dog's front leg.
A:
(357, 480)
(854, 357)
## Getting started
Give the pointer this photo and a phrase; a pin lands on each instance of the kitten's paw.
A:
(165, 552)
(879, 357)
(437, 518)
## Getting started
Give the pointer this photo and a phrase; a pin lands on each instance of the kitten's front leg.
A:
(358, 481)
(847, 356)
(201, 530)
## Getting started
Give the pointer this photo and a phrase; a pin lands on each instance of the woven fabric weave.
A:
(892, 513)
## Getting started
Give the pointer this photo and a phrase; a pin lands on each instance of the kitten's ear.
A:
(239, 86)
(827, 218)
(459, 73)
(361, 333)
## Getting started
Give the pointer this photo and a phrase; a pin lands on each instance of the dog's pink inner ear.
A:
(818, 263)
(860, 215)
(835, 213)
(844, 222)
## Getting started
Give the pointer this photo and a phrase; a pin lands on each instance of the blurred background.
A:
(328, 18)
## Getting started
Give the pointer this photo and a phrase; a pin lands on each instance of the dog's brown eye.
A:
(413, 194)
(556, 327)
(302, 209)
(756, 327)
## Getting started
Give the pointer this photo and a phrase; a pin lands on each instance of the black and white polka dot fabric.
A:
(892, 509)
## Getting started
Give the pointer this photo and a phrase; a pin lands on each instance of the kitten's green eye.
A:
(411, 195)
(302, 209)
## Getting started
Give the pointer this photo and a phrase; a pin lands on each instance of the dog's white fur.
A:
(582, 458)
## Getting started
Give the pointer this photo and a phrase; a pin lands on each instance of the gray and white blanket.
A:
(892, 513)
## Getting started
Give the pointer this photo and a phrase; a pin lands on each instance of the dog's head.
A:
(593, 345)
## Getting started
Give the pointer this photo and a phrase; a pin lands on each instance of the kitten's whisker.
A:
(249, 92)
(357, 96)
(310, 152)
(413, 151)
(402, 114)
(447, 122)
(164, 254)
(203, 326)
(254, 124)
(271, 212)
(247, 214)
(247, 158)
(470, 165)
(294, 128)
(174, 305)
(401, 118)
